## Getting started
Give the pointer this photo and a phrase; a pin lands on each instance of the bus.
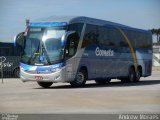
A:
(77, 49)
(9, 60)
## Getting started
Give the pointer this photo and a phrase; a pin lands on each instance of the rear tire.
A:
(45, 84)
(132, 75)
(80, 79)
(103, 82)
(138, 75)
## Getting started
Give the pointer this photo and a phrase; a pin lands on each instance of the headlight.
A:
(56, 69)
(21, 68)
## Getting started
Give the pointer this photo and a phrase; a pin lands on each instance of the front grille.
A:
(38, 72)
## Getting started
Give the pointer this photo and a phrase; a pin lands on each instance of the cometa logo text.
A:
(100, 52)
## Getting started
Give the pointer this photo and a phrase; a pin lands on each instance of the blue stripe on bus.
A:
(40, 68)
(42, 24)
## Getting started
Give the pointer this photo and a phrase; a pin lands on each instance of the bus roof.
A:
(83, 19)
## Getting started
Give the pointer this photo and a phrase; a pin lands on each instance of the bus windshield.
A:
(43, 46)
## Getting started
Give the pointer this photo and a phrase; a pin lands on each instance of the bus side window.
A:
(104, 36)
(91, 35)
(116, 38)
(76, 27)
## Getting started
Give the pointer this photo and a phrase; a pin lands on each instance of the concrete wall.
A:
(156, 56)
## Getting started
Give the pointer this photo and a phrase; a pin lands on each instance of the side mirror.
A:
(19, 41)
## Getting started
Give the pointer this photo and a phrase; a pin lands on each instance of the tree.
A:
(157, 33)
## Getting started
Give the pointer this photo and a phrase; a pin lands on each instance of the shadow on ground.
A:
(111, 84)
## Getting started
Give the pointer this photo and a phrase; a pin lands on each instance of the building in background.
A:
(156, 55)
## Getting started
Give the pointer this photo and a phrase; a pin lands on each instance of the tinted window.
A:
(139, 39)
(149, 41)
(91, 35)
(116, 38)
(131, 35)
(111, 37)
(103, 36)
(76, 27)
(143, 40)
(108, 36)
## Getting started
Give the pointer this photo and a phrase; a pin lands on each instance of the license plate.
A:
(38, 77)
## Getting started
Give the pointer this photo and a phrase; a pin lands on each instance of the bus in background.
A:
(10, 57)
(76, 49)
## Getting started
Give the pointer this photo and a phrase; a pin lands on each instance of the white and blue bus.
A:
(76, 49)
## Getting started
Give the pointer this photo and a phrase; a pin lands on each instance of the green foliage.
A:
(157, 33)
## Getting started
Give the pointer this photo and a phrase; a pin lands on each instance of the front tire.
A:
(80, 79)
(45, 84)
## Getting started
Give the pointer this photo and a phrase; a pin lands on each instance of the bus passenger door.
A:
(70, 55)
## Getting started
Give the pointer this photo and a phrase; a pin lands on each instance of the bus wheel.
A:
(138, 75)
(80, 79)
(17, 72)
(132, 75)
(102, 82)
(45, 84)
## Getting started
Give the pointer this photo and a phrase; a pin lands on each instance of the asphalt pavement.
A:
(113, 98)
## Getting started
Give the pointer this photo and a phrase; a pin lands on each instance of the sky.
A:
(143, 14)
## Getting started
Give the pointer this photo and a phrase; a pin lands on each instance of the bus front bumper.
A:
(58, 76)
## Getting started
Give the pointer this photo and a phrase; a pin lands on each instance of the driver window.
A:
(72, 44)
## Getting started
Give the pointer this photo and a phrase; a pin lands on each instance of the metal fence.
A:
(8, 65)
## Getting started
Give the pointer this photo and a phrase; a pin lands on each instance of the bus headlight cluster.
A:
(21, 68)
(56, 69)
